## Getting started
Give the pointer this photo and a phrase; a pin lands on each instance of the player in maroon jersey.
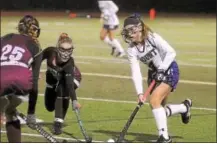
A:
(20, 64)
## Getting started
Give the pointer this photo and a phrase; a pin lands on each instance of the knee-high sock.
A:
(175, 109)
(161, 121)
(61, 107)
(108, 41)
(114, 43)
(117, 45)
(50, 98)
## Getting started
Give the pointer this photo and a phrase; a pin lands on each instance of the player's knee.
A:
(111, 39)
(155, 102)
(11, 115)
(102, 37)
(49, 107)
(3, 103)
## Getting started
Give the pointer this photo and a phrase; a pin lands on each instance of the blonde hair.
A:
(146, 31)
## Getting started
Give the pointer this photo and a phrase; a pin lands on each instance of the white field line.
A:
(115, 61)
(112, 60)
(57, 137)
(82, 62)
(128, 77)
(104, 46)
(130, 102)
(126, 61)
(202, 60)
(179, 34)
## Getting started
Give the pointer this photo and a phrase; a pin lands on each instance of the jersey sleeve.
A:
(135, 70)
(47, 52)
(113, 7)
(69, 77)
(165, 48)
(50, 54)
(103, 6)
(36, 64)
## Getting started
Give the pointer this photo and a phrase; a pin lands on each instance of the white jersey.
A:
(156, 51)
(108, 10)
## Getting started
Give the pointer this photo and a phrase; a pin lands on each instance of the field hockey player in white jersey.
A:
(152, 50)
(110, 24)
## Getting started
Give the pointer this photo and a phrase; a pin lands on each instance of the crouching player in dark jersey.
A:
(19, 54)
(62, 78)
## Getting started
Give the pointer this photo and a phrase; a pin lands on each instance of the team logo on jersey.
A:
(147, 57)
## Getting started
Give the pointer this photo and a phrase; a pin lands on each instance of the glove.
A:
(160, 76)
(75, 105)
(31, 121)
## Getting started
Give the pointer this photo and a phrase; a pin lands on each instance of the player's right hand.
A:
(31, 121)
(140, 98)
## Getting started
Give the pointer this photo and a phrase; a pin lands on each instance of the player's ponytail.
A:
(63, 35)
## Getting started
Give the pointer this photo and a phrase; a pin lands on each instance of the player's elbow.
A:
(173, 55)
(136, 77)
(116, 9)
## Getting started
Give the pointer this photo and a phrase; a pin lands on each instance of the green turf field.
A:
(107, 94)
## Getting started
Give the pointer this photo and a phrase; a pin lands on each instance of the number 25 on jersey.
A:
(12, 53)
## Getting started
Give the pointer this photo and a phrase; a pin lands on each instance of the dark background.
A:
(194, 6)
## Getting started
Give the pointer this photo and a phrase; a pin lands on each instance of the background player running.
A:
(110, 24)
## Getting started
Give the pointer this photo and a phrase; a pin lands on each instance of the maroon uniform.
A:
(17, 54)
(20, 63)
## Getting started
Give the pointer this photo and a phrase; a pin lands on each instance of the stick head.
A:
(120, 141)
(64, 141)
(89, 140)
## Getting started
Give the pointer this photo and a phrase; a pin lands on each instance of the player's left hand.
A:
(75, 105)
(160, 76)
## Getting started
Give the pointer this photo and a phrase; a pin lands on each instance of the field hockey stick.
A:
(40, 130)
(130, 120)
(87, 138)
